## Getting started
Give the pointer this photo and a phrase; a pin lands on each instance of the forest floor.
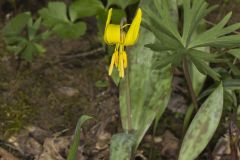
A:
(41, 103)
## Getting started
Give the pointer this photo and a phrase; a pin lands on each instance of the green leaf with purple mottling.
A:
(203, 126)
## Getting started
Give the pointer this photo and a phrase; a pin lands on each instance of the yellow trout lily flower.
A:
(116, 35)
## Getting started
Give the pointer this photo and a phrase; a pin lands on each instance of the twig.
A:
(84, 54)
(66, 58)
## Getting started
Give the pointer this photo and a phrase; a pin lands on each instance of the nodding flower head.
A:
(116, 34)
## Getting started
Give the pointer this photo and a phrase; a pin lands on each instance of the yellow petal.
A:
(124, 59)
(116, 58)
(109, 17)
(132, 34)
(112, 34)
(111, 65)
(121, 67)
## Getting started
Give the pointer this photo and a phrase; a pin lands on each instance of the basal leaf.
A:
(121, 146)
(203, 126)
(149, 93)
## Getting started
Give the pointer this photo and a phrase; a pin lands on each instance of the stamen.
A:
(126, 25)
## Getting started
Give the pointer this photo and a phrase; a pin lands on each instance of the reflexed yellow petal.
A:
(121, 67)
(116, 58)
(109, 17)
(133, 31)
(111, 65)
(124, 59)
(112, 34)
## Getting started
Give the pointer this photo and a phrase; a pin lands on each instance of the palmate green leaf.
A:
(42, 36)
(16, 25)
(163, 24)
(56, 17)
(14, 40)
(39, 48)
(163, 39)
(16, 49)
(16, 44)
(232, 84)
(215, 36)
(158, 47)
(203, 126)
(33, 28)
(204, 68)
(54, 14)
(211, 34)
(166, 9)
(121, 3)
(198, 79)
(149, 93)
(235, 52)
(72, 155)
(234, 69)
(121, 146)
(198, 54)
(84, 8)
(70, 30)
(226, 41)
(174, 59)
(30, 50)
(27, 53)
(193, 14)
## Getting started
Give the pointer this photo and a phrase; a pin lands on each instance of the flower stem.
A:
(129, 111)
(189, 82)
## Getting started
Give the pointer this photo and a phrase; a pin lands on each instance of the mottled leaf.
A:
(121, 146)
(149, 88)
(203, 126)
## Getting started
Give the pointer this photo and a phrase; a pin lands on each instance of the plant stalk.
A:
(189, 82)
(129, 112)
(128, 98)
